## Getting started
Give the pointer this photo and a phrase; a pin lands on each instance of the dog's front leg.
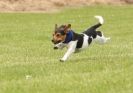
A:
(71, 49)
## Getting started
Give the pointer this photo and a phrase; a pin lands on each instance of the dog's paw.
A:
(62, 60)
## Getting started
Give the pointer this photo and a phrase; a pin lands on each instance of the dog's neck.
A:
(69, 36)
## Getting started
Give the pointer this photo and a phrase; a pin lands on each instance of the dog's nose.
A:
(52, 40)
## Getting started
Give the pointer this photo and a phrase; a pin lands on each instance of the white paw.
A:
(62, 60)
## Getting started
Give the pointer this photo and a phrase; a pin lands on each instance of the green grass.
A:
(26, 49)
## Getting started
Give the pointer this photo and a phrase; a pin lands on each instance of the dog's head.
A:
(60, 32)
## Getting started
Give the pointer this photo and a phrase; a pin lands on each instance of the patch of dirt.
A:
(51, 5)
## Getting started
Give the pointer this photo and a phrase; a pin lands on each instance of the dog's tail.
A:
(100, 22)
(94, 27)
(100, 19)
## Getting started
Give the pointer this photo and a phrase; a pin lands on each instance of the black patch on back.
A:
(89, 40)
(91, 32)
(99, 33)
(78, 37)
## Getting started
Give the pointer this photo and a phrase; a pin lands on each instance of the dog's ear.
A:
(56, 27)
(67, 28)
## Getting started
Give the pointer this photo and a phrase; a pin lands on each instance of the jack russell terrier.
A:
(64, 36)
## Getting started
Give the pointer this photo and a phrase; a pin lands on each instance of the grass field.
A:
(28, 63)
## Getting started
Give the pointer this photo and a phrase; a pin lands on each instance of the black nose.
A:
(52, 40)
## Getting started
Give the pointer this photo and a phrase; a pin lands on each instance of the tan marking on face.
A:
(58, 37)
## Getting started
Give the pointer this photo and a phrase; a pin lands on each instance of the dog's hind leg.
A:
(100, 38)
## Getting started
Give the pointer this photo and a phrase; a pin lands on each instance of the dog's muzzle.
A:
(56, 42)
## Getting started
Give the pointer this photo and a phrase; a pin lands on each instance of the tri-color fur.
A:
(64, 36)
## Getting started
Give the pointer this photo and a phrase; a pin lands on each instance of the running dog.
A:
(64, 36)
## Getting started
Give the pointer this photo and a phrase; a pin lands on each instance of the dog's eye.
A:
(58, 35)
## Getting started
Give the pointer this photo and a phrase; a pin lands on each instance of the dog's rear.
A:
(100, 37)
(96, 35)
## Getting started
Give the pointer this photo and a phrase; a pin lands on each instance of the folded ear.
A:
(67, 28)
(69, 25)
(56, 27)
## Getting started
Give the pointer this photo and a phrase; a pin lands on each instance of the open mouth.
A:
(59, 46)
(57, 42)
